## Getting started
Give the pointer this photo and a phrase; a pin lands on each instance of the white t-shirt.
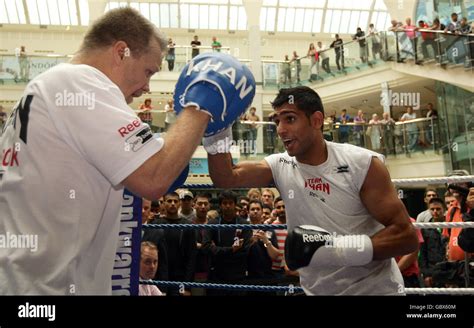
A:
(73, 144)
(323, 54)
(149, 290)
(424, 216)
(411, 127)
(327, 196)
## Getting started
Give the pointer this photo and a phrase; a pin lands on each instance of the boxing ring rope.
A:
(418, 225)
(294, 289)
(254, 288)
(433, 225)
(439, 291)
(398, 182)
(213, 226)
(435, 180)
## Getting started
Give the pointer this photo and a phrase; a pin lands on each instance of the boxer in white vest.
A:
(345, 221)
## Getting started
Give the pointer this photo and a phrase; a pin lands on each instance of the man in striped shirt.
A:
(279, 266)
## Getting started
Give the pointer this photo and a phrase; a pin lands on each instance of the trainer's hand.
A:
(218, 84)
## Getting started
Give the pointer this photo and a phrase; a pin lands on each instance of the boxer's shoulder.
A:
(280, 158)
(347, 152)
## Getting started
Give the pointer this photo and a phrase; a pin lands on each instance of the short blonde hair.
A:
(148, 244)
(254, 191)
(123, 24)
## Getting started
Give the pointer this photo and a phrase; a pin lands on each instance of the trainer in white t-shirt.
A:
(68, 145)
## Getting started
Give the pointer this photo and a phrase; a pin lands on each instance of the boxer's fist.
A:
(301, 244)
(218, 84)
(308, 245)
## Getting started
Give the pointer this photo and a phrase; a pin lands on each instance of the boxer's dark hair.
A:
(305, 98)
(266, 206)
(228, 194)
(123, 24)
(278, 199)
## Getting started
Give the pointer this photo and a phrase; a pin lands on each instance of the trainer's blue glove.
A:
(313, 246)
(218, 84)
(180, 180)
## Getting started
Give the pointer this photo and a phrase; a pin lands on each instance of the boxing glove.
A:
(309, 245)
(217, 84)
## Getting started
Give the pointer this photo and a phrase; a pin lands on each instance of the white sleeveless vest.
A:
(327, 196)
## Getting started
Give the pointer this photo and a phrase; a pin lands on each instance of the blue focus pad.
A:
(218, 84)
(180, 180)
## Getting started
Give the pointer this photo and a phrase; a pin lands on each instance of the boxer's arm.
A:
(380, 198)
(244, 174)
(153, 178)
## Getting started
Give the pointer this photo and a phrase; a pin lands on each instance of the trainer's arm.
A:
(153, 178)
(244, 174)
(380, 198)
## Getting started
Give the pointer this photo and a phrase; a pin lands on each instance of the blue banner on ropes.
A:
(125, 276)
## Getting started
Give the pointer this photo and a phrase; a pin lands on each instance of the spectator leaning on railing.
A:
(216, 45)
(170, 56)
(195, 44)
(339, 50)
(145, 115)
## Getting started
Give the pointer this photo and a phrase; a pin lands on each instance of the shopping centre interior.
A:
(391, 67)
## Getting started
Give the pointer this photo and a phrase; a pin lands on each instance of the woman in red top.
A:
(145, 116)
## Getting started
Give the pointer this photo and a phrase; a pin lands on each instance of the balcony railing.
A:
(444, 49)
(427, 46)
(398, 138)
(15, 69)
(352, 56)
